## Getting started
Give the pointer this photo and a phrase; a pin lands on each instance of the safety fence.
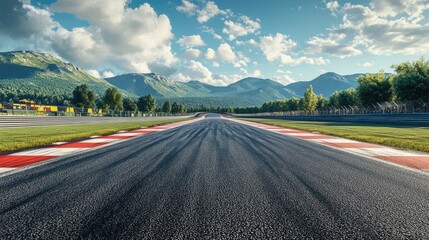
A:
(374, 109)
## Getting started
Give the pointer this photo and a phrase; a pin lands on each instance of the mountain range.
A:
(28, 73)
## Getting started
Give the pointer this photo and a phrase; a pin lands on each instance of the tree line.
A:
(112, 101)
(409, 83)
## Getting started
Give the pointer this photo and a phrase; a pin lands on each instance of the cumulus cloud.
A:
(225, 53)
(257, 74)
(203, 13)
(194, 70)
(279, 47)
(210, 54)
(20, 20)
(132, 38)
(108, 74)
(187, 8)
(330, 45)
(242, 27)
(385, 27)
(191, 41)
(192, 53)
(332, 6)
(283, 79)
(209, 11)
(93, 73)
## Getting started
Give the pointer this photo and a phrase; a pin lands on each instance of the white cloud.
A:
(191, 41)
(413, 8)
(279, 48)
(210, 54)
(225, 53)
(283, 72)
(209, 11)
(330, 45)
(194, 71)
(283, 79)
(332, 5)
(204, 13)
(19, 20)
(243, 27)
(97, 12)
(187, 8)
(191, 53)
(250, 42)
(276, 47)
(93, 73)
(130, 38)
(108, 74)
(223, 79)
(257, 74)
(212, 32)
(367, 64)
(385, 27)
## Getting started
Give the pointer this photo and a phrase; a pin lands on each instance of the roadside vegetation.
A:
(409, 83)
(27, 137)
(411, 138)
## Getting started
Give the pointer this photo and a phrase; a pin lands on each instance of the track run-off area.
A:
(215, 178)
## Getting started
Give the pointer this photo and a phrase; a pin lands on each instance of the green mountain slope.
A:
(325, 84)
(248, 91)
(42, 77)
(155, 84)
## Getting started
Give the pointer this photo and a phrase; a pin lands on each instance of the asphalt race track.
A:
(217, 179)
(35, 121)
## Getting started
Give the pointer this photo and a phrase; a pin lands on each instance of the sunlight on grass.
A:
(413, 138)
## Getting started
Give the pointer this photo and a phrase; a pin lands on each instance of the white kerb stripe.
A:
(49, 152)
(3, 169)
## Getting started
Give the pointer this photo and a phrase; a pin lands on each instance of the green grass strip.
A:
(12, 139)
(406, 137)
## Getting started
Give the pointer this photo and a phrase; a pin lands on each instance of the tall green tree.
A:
(113, 99)
(182, 108)
(130, 105)
(375, 88)
(293, 104)
(322, 102)
(83, 97)
(310, 100)
(175, 108)
(348, 97)
(412, 81)
(334, 99)
(166, 107)
(147, 103)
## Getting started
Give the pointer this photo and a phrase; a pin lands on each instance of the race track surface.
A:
(215, 179)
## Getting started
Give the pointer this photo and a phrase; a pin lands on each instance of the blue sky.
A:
(219, 42)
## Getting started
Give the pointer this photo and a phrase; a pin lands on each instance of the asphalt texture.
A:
(215, 179)
(37, 121)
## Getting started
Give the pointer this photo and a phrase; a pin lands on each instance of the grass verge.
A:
(406, 137)
(27, 137)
